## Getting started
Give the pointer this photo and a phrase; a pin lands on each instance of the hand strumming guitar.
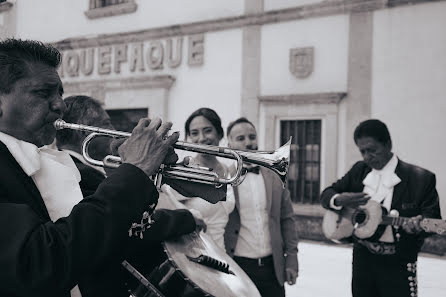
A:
(199, 221)
(352, 200)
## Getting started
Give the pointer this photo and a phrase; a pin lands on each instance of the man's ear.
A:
(229, 140)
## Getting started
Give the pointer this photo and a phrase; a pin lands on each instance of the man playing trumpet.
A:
(54, 242)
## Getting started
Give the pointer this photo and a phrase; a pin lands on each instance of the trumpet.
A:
(277, 161)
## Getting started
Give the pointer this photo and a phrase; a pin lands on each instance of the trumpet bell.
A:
(277, 161)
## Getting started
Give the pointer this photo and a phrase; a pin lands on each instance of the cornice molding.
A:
(324, 8)
(151, 82)
(315, 98)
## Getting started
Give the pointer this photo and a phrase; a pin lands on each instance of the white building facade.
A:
(303, 68)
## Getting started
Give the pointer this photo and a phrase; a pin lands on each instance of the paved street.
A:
(325, 271)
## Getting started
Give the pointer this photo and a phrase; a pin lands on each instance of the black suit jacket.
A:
(143, 255)
(39, 257)
(90, 177)
(416, 194)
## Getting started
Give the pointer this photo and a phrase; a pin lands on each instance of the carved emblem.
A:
(301, 61)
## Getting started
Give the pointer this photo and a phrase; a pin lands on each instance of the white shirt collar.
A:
(25, 153)
(385, 176)
(81, 159)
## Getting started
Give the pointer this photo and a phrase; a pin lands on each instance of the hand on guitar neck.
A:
(412, 226)
(352, 200)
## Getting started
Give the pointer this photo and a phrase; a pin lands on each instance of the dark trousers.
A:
(261, 272)
(382, 275)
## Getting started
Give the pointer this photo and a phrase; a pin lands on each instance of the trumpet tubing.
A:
(277, 161)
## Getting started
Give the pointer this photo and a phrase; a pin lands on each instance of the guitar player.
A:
(385, 267)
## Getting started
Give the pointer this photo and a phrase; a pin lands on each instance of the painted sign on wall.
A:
(139, 57)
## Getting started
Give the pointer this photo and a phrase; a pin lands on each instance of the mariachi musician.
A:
(54, 242)
(385, 267)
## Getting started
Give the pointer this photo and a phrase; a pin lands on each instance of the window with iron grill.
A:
(108, 8)
(103, 3)
(304, 171)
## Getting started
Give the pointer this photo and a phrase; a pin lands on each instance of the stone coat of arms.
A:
(301, 61)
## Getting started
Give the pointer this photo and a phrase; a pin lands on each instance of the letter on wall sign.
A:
(137, 57)
(87, 61)
(72, 63)
(196, 50)
(120, 56)
(104, 60)
(155, 55)
(174, 61)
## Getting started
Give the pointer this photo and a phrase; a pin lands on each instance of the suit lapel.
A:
(399, 189)
(235, 189)
(268, 180)
(20, 184)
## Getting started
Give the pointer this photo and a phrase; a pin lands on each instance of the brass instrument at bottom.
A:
(277, 160)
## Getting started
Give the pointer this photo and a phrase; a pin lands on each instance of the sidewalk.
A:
(325, 271)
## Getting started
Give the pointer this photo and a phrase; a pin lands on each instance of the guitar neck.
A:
(427, 224)
(394, 221)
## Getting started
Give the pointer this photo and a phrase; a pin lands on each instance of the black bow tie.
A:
(253, 169)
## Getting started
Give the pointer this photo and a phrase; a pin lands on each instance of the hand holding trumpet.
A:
(149, 138)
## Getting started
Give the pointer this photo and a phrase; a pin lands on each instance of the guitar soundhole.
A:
(359, 217)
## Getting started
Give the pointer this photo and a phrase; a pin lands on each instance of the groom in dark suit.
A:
(385, 267)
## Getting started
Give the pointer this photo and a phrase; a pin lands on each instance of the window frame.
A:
(114, 9)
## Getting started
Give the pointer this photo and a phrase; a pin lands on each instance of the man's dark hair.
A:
(80, 110)
(210, 115)
(238, 121)
(16, 55)
(375, 129)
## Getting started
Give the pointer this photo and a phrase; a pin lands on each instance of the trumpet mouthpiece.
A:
(59, 124)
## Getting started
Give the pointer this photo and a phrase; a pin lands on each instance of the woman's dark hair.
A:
(210, 115)
(16, 55)
(375, 129)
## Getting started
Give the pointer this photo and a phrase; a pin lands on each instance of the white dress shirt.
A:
(55, 175)
(81, 159)
(254, 240)
(379, 184)
(215, 215)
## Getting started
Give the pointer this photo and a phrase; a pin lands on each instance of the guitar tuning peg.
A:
(394, 213)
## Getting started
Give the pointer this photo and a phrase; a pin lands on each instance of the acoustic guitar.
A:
(369, 221)
(194, 266)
